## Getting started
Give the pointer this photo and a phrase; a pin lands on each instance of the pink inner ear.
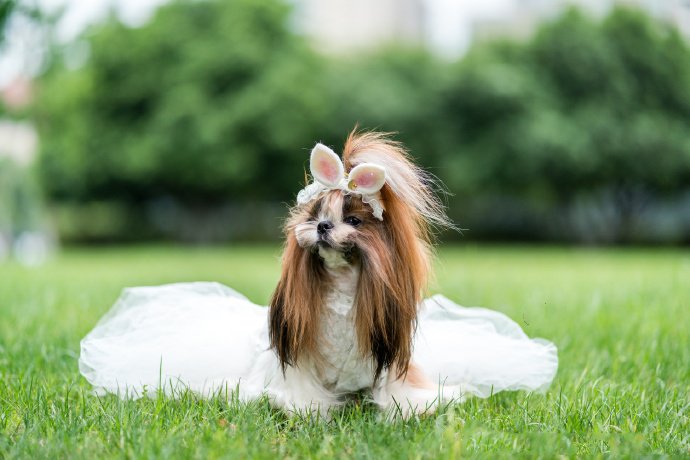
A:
(366, 179)
(327, 169)
(325, 166)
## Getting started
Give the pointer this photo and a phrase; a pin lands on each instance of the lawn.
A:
(620, 318)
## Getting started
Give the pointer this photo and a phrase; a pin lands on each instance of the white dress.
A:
(210, 339)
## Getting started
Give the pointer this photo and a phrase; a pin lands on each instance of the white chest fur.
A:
(345, 369)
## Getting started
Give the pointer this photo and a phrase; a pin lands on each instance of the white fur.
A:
(345, 369)
(311, 389)
(334, 260)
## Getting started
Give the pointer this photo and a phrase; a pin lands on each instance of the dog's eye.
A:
(352, 220)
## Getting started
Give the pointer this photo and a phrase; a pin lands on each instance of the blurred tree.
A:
(6, 7)
(585, 108)
(394, 90)
(217, 102)
(204, 104)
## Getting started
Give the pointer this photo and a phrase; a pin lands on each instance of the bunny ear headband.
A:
(328, 172)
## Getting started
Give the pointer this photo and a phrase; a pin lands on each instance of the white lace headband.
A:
(328, 172)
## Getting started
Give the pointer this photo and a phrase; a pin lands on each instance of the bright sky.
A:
(22, 40)
(450, 20)
(449, 25)
(81, 13)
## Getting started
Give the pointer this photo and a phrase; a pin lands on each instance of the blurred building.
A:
(518, 18)
(24, 231)
(18, 139)
(676, 12)
(449, 26)
(341, 26)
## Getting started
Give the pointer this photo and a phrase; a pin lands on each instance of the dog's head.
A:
(378, 219)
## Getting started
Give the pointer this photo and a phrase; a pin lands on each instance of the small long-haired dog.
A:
(355, 265)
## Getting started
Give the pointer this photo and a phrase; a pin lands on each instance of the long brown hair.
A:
(296, 304)
(395, 256)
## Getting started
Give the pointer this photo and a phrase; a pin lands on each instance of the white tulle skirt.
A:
(210, 339)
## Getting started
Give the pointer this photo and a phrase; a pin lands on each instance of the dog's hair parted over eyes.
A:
(393, 256)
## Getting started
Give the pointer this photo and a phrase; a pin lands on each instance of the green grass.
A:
(621, 320)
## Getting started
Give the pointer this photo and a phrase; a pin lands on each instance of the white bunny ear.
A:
(326, 166)
(366, 178)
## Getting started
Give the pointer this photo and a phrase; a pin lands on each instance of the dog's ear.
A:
(296, 305)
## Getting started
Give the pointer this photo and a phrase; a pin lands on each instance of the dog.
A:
(356, 262)
(344, 318)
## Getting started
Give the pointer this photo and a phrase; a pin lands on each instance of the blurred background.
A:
(191, 121)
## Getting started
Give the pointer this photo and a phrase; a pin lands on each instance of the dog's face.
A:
(337, 226)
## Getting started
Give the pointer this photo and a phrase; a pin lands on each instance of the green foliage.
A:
(583, 105)
(202, 104)
(217, 102)
(392, 90)
(618, 317)
(6, 7)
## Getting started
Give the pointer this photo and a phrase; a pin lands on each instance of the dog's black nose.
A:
(324, 227)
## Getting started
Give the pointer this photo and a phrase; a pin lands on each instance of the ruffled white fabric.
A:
(210, 339)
